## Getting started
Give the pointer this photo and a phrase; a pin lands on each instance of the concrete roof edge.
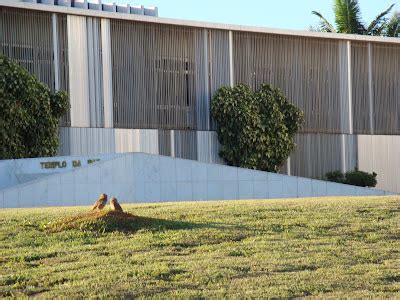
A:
(198, 24)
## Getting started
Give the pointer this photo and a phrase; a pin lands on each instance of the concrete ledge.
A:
(159, 20)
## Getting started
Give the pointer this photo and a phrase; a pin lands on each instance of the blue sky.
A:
(289, 14)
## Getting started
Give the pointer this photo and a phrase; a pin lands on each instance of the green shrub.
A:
(29, 113)
(356, 177)
(360, 178)
(255, 129)
(335, 176)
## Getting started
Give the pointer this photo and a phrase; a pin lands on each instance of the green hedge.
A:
(29, 113)
(356, 177)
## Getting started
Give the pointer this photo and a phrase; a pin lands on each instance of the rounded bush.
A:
(255, 129)
(29, 113)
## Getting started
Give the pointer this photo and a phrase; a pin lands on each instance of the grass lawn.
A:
(337, 247)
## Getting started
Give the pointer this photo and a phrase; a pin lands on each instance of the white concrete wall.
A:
(17, 171)
(139, 177)
(7, 174)
(381, 154)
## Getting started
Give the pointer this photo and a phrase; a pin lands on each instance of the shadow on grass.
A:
(111, 221)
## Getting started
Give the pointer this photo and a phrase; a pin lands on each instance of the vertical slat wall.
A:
(360, 90)
(63, 60)
(127, 140)
(208, 147)
(219, 59)
(218, 45)
(26, 37)
(148, 141)
(164, 142)
(201, 80)
(158, 75)
(305, 69)
(386, 87)
(185, 144)
(95, 72)
(317, 154)
(64, 146)
(88, 141)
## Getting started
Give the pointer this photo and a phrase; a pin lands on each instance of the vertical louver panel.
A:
(305, 69)
(208, 147)
(157, 75)
(87, 141)
(317, 154)
(26, 37)
(95, 71)
(63, 61)
(185, 144)
(219, 62)
(386, 88)
(360, 87)
(164, 142)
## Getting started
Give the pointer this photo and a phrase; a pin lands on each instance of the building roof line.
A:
(197, 24)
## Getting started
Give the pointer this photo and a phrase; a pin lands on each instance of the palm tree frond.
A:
(378, 21)
(348, 17)
(324, 25)
(393, 26)
(379, 30)
(313, 28)
(348, 20)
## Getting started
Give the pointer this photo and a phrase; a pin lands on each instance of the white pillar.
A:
(350, 88)
(56, 60)
(289, 171)
(371, 90)
(343, 153)
(78, 71)
(346, 109)
(107, 73)
(231, 70)
(172, 136)
(91, 71)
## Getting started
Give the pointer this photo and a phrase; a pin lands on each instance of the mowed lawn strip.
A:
(338, 247)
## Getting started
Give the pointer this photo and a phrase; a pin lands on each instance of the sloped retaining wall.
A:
(139, 177)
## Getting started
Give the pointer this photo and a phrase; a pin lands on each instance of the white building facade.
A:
(141, 83)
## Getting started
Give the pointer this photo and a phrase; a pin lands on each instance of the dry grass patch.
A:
(103, 220)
